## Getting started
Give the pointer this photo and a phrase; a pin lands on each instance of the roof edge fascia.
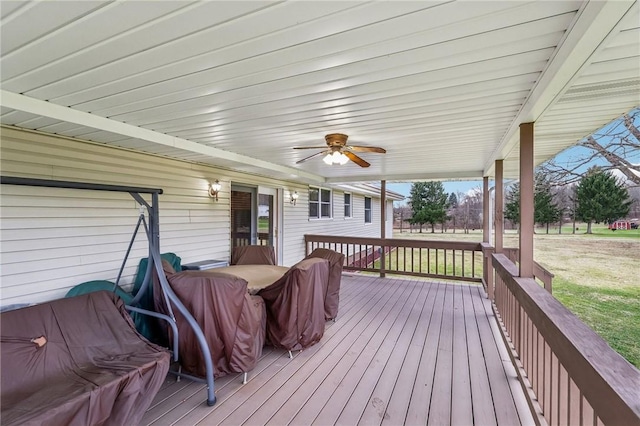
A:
(47, 109)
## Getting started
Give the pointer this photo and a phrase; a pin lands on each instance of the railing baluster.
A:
(453, 262)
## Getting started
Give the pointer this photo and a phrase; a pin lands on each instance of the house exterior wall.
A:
(52, 239)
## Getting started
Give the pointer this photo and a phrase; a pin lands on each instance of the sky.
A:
(563, 157)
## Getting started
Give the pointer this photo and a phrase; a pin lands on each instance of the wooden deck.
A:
(401, 352)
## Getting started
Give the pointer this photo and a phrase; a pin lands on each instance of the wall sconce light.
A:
(294, 197)
(214, 188)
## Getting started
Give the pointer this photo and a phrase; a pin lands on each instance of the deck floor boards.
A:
(401, 352)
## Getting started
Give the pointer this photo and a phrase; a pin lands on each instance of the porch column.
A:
(487, 266)
(383, 216)
(485, 210)
(526, 200)
(499, 208)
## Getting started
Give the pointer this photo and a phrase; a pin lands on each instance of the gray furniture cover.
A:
(253, 255)
(232, 321)
(77, 361)
(336, 262)
(295, 305)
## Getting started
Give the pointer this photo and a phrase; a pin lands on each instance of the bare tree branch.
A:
(616, 143)
(616, 161)
(628, 123)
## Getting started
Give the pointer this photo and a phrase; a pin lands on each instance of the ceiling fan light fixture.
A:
(335, 157)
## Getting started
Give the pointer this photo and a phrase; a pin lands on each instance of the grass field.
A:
(597, 277)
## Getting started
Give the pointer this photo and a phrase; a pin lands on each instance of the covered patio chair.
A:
(253, 255)
(332, 298)
(232, 321)
(295, 305)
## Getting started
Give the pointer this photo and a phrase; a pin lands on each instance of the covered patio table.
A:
(257, 276)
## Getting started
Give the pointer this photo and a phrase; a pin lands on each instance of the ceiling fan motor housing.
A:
(336, 139)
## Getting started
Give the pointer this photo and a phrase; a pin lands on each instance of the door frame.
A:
(277, 216)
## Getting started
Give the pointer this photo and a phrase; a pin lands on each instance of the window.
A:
(367, 209)
(319, 203)
(347, 205)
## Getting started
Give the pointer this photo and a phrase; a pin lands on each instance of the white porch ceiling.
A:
(441, 85)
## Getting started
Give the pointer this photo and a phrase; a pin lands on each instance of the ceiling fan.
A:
(338, 152)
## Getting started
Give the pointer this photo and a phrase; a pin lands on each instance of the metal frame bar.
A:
(153, 236)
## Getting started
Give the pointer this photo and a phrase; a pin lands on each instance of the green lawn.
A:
(434, 263)
(614, 313)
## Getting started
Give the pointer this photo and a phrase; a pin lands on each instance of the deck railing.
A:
(570, 372)
(450, 260)
(539, 272)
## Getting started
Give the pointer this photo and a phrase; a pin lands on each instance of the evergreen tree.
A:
(453, 200)
(546, 211)
(428, 203)
(512, 205)
(418, 199)
(436, 203)
(601, 198)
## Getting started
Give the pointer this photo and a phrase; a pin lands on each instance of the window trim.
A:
(321, 203)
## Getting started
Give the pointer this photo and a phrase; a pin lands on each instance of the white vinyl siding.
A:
(53, 239)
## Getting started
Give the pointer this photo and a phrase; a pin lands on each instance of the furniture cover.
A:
(77, 361)
(147, 299)
(295, 305)
(154, 329)
(336, 261)
(141, 322)
(253, 255)
(232, 321)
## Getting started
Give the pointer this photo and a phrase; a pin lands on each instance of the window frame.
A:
(368, 210)
(320, 203)
(349, 205)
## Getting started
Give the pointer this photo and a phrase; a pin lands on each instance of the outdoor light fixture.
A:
(214, 188)
(294, 197)
(335, 157)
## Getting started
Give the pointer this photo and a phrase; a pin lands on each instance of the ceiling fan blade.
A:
(356, 148)
(311, 156)
(359, 161)
(309, 147)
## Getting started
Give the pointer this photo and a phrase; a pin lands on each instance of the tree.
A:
(452, 210)
(564, 197)
(453, 200)
(436, 204)
(469, 211)
(546, 211)
(418, 202)
(512, 205)
(614, 143)
(601, 198)
(428, 203)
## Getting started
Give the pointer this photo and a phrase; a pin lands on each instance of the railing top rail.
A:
(394, 242)
(607, 380)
